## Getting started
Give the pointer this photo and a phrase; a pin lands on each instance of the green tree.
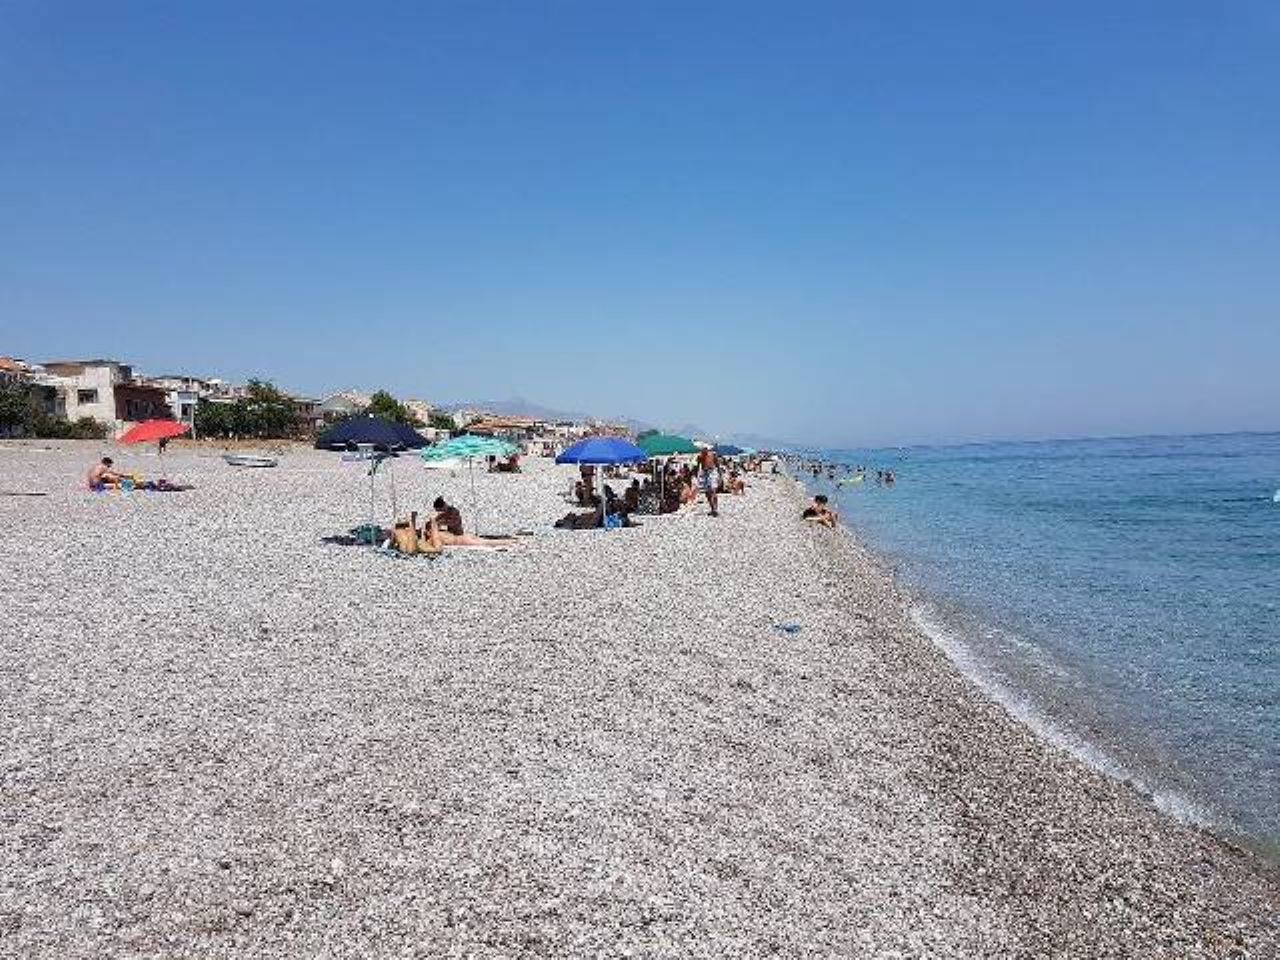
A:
(442, 421)
(269, 412)
(219, 419)
(22, 414)
(265, 412)
(18, 411)
(382, 404)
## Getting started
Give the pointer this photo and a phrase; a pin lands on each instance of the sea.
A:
(1120, 596)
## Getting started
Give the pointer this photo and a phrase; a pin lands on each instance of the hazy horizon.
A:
(839, 227)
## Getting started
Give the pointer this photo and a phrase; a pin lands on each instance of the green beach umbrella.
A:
(470, 448)
(665, 445)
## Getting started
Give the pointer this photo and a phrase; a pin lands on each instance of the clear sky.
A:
(844, 223)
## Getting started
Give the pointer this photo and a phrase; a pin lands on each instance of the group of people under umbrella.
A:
(377, 441)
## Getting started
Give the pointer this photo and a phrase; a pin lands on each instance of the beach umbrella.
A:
(728, 450)
(372, 432)
(155, 430)
(374, 440)
(665, 445)
(598, 451)
(409, 437)
(470, 448)
(602, 451)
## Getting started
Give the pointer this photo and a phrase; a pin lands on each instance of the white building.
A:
(346, 403)
(465, 415)
(106, 391)
(420, 409)
(14, 371)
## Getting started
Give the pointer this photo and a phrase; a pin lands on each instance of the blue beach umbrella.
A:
(602, 451)
(728, 450)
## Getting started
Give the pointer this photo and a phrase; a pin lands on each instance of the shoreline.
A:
(1170, 801)
(1114, 796)
(233, 740)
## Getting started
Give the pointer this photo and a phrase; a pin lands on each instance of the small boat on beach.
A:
(249, 460)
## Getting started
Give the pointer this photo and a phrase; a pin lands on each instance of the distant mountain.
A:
(690, 431)
(517, 407)
(520, 407)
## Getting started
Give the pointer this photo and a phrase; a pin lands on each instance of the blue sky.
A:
(842, 223)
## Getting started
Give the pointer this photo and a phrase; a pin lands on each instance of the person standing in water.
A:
(709, 478)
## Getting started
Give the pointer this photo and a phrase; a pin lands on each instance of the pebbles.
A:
(220, 737)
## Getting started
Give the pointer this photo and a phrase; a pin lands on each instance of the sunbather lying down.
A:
(438, 538)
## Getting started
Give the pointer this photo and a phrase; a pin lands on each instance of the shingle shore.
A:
(220, 737)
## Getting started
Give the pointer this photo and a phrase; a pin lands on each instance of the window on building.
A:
(86, 396)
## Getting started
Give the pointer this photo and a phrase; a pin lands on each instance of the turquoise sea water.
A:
(1122, 596)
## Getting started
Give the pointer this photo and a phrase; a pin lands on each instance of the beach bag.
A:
(405, 534)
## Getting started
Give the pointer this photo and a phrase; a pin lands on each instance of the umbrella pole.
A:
(395, 508)
(475, 500)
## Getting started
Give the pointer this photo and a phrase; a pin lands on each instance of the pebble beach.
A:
(221, 736)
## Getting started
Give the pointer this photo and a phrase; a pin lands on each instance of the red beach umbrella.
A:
(150, 430)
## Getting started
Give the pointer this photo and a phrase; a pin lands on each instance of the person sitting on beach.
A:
(735, 484)
(590, 520)
(101, 474)
(818, 512)
(448, 518)
(585, 489)
(510, 465)
(631, 498)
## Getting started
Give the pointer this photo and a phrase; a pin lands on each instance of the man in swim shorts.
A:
(709, 479)
(101, 474)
